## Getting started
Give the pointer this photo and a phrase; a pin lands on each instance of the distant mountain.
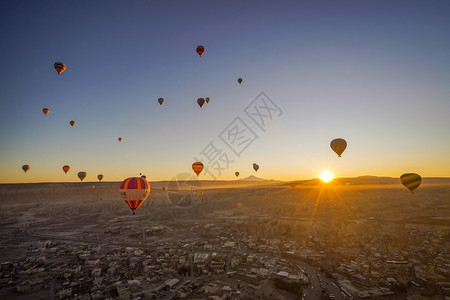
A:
(252, 178)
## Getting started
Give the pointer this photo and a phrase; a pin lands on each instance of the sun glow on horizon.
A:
(326, 176)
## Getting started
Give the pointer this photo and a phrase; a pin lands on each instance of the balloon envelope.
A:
(411, 181)
(240, 80)
(59, 67)
(25, 168)
(161, 101)
(200, 50)
(45, 111)
(201, 101)
(197, 167)
(239, 205)
(100, 177)
(134, 191)
(255, 167)
(82, 175)
(338, 146)
(237, 174)
(207, 99)
(120, 139)
(72, 123)
(66, 168)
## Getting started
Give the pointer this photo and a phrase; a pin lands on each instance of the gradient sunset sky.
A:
(376, 73)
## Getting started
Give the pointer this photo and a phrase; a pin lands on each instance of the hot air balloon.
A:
(240, 80)
(411, 181)
(72, 123)
(134, 191)
(143, 176)
(82, 175)
(197, 167)
(59, 67)
(120, 139)
(239, 205)
(201, 102)
(255, 167)
(25, 168)
(100, 177)
(161, 101)
(200, 194)
(236, 173)
(93, 187)
(338, 146)
(45, 111)
(66, 168)
(207, 99)
(200, 50)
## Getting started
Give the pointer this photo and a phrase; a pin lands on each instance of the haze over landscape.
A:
(266, 149)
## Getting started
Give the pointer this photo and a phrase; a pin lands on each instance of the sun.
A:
(326, 176)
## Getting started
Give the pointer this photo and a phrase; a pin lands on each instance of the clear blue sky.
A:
(376, 73)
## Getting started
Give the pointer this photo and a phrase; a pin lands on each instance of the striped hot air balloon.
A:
(134, 191)
(411, 181)
(197, 167)
(59, 67)
(200, 50)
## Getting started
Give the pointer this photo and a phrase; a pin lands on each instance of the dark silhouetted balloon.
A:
(25, 168)
(201, 102)
(82, 175)
(338, 146)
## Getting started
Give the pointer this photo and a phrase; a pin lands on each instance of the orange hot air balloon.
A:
(25, 168)
(120, 139)
(134, 191)
(240, 80)
(201, 102)
(59, 67)
(66, 168)
(239, 205)
(197, 167)
(100, 177)
(237, 174)
(200, 50)
(82, 175)
(46, 110)
(72, 123)
(338, 146)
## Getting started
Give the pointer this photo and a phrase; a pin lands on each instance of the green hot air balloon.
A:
(82, 175)
(411, 181)
(25, 168)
